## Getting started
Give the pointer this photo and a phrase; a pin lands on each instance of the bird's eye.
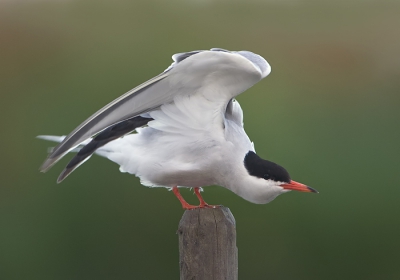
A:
(266, 176)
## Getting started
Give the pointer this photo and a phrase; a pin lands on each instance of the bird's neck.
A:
(254, 189)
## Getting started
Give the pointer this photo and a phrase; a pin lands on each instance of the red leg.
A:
(203, 204)
(185, 205)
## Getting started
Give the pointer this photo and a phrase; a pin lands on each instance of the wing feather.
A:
(218, 75)
(111, 133)
(127, 105)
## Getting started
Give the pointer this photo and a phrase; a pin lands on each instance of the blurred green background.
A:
(329, 113)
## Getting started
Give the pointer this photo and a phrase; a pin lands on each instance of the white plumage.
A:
(194, 135)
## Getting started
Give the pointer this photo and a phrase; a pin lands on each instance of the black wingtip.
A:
(64, 174)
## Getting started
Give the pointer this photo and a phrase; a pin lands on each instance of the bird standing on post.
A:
(183, 128)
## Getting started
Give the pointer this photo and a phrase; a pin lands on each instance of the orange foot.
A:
(203, 204)
(187, 206)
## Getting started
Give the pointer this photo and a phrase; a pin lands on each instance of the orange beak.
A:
(295, 186)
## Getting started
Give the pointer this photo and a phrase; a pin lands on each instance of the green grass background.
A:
(329, 113)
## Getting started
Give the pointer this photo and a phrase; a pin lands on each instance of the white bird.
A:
(183, 128)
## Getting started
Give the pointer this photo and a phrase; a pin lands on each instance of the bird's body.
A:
(189, 129)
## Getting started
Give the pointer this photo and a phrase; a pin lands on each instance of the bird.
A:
(183, 129)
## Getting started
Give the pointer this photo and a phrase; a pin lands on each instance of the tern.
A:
(183, 128)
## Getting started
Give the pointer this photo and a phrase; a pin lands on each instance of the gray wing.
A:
(131, 104)
(109, 134)
(234, 112)
(141, 99)
(233, 71)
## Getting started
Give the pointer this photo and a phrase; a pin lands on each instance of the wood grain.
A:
(207, 245)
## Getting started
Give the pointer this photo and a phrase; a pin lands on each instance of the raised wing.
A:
(218, 71)
(132, 103)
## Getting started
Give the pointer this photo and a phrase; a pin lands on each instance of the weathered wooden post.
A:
(207, 245)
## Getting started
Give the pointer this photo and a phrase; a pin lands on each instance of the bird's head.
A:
(270, 179)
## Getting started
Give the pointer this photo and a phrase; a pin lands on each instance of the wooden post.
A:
(207, 245)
